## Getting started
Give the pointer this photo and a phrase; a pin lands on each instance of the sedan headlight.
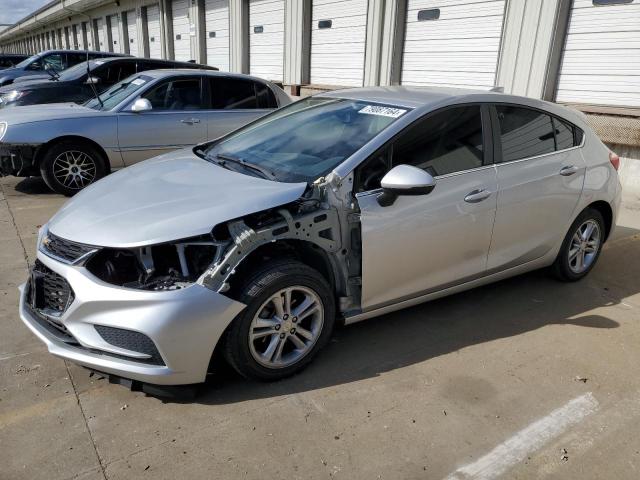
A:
(3, 129)
(12, 96)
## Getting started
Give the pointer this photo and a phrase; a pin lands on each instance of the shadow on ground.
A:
(33, 185)
(504, 309)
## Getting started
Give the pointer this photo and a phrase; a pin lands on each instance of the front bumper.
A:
(18, 160)
(185, 326)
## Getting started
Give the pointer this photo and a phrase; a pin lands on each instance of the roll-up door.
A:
(116, 44)
(181, 38)
(266, 39)
(453, 43)
(132, 32)
(100, 34)
(217, 33)
(601, 59)
(153, 31)
(338, 37)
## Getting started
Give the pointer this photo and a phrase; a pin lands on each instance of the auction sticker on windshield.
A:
(382, 111)
(138, 81)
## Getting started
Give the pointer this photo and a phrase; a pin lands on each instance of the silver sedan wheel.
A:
(74, 169)
(286, 327)
(585, 244)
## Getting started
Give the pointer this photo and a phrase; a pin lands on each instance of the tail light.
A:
(615, 160)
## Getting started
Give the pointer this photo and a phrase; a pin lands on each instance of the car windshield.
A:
(116, 94)
(305, 140)
(77, 71)
(27, 61)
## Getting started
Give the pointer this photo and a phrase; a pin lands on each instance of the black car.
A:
(8, 60)
(53, 61)
(76, 83)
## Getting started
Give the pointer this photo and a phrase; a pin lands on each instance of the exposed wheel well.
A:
(605, 210)
(301, 250)
(74, 138)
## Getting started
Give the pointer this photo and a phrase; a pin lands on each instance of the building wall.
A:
(530, 55)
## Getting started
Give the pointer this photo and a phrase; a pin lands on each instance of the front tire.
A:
(581, 247)
(289, 317)
(68, 167)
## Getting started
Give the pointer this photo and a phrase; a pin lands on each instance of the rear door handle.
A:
(190, 121)
(477, 196)
(569, 170)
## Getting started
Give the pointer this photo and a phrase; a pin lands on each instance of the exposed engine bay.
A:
(318, 228)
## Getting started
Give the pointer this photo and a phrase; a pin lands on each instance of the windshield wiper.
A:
(251, 166)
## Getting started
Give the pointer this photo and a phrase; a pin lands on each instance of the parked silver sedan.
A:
(339, 207)
(145, 115)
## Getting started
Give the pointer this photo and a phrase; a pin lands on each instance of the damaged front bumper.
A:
(162, 338)
(18, 160)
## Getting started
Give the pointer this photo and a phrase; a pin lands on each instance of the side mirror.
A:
(404, 180)
(92, 80)
(141, 105)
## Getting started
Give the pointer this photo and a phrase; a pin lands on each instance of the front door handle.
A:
(477, 196)
(190, 121)
(569, 170)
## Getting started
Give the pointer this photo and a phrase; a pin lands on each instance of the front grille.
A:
(53, 294)
(130, 340)
(65, 250)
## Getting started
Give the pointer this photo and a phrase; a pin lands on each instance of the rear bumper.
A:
(185, 326)
(18, 160)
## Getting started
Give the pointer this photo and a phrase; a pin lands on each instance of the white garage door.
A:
(601, 61)
(153, 31)
(100, 34)
(266, 39)
(217, 33)
(116, 44)
(338, 36)
(181, 38)
(132, 32)
(453, 43)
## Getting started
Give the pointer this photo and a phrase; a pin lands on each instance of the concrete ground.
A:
(526, 378)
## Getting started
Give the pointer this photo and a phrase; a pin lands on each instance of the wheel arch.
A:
(304, 251)
(44, 148)
(607, 214)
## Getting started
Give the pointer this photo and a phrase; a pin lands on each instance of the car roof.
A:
(94, 52)
(166, 72)
(430, 98)
(143, 59)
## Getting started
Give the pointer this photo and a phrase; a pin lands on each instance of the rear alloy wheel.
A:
(289, 317)
(581, 247)
(68, 167)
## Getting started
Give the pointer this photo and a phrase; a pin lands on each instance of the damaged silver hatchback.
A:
(339, 207)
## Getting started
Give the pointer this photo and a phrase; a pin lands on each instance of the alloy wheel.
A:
(74, 169)
(584, 248)
(286, 327)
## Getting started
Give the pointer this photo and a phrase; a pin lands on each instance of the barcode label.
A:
(382, 111)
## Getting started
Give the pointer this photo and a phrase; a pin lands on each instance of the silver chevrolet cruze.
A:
(339, 207)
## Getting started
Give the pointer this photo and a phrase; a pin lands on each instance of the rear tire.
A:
(69, 166)
(581, 247)
(289, 317)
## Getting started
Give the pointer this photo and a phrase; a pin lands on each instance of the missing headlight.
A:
(169, 266)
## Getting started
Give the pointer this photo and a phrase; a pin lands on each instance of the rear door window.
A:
(564, 134)
(524, 132)
(233, 94)
(266, 98)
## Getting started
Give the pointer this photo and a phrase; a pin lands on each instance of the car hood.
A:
(27, 79)
(171, 197)
(52, 111)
